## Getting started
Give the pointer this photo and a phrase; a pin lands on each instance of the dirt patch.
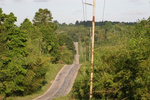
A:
(1, 98)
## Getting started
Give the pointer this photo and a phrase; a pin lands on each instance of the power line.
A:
(103, 10)
(83, 10)
(85, 14)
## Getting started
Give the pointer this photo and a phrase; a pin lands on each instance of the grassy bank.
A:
(50, 76)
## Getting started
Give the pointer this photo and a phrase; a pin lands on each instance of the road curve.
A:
(64, 80)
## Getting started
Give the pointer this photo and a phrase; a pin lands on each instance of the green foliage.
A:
(26, 25)
(66, 40)
(121, 71)
(12, 57)
(43, 16)
(81, 88)
(47, 39)
(35, 76)
(27, 51)
(52, 70)
(67, 48)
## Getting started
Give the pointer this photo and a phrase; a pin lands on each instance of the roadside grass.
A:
(67, 97)
(50, 76)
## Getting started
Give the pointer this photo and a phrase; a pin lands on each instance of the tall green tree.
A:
(36, 70)
(43, 16)
(48, 42)
(13, 57)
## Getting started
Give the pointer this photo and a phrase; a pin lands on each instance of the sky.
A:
(69, 11)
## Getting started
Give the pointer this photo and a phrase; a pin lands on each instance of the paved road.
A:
(64, 80)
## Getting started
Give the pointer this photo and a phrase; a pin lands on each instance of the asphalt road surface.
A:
(64, 80)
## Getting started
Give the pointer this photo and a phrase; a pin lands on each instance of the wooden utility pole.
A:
(90, 45)
(92, 58)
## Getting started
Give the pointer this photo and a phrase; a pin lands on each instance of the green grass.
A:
(50, 76)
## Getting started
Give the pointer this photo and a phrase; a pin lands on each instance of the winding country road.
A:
(64, 80)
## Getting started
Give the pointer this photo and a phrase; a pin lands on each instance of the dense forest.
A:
(121, 61)
(27, 51)
(121, 58)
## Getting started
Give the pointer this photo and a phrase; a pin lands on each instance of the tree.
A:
(12, 59)
(56, 22)
(36, 70)
(48, 41)
(67, 48)
(77, 23)
(43, 16)
(26, 25)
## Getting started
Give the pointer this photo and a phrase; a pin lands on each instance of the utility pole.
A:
(90, 45)
(92, 56)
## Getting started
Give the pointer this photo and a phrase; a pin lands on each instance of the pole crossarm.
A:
(88, 4)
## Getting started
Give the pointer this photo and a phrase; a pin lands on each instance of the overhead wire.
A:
(103, 10)
(85, 14)
(83, 10)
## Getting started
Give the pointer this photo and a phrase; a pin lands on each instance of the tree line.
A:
(101, 23)
(89, 23)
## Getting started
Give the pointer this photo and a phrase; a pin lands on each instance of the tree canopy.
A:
(43, 16)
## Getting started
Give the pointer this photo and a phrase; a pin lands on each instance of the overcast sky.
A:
(71, 10)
